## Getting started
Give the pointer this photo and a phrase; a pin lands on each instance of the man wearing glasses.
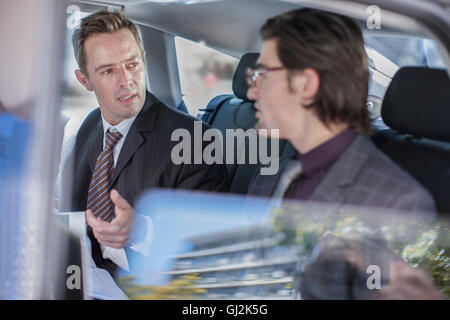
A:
(311, 83)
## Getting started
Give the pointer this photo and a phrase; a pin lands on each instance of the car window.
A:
(386, 54)
(204, 73)
(255, 248)
(406, 51)
(77, 102)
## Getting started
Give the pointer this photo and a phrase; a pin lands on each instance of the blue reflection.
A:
(14, 133)
(180, 216)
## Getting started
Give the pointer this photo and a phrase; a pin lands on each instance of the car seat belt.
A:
(213, 107)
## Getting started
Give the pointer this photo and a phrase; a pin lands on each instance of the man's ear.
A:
(144, 53)
(308, 83)
(83, 79)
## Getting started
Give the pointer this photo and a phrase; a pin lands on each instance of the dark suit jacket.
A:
(144, 161)
(363, 176)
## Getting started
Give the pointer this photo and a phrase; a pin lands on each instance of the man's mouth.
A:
(127, 98)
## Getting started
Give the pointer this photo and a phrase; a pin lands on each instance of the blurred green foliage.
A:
(421, 244)
(183, 287)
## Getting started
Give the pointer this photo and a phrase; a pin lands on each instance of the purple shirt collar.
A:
(325, 154)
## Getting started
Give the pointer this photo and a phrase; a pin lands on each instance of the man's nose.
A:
(125, 78)
(253, 92)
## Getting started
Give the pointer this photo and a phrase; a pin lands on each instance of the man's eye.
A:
(133, 65)
(107, 71)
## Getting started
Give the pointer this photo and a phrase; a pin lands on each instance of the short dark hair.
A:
(332, 45)
(100, 22)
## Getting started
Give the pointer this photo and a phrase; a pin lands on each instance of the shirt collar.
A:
(123, 127)
(325, 154)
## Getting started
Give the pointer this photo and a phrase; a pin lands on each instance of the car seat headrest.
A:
(417, 102)
(240, 86)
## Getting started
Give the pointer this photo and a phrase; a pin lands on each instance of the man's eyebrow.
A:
(132, 58)
(103, 66)
(260, 65)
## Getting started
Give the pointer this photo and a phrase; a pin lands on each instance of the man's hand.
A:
(408, 283)
(115, 234)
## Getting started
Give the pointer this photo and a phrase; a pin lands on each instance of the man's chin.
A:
(132, 108)
(263, 130)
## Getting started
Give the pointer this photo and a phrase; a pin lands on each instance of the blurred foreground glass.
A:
(30, 135)
(208, 246)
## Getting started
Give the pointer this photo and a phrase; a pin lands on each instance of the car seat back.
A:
(416, 107)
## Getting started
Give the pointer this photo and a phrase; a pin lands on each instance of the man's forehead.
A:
(117, 46)
(121, 39)
(268, 53)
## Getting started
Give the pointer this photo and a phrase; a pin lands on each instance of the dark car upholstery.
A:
(236, 111)
(416, 108)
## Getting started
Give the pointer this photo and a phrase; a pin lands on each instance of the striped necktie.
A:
(98, 195)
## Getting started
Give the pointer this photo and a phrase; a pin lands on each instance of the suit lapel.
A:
(144, 122)
(343, 172)
(95, 145)
(88, 145)
(132, 142)
(268, 184)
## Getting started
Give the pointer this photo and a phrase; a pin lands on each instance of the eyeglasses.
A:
(251, 75)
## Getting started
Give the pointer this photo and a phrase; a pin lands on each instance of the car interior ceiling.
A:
(177, 18)
(223, 19)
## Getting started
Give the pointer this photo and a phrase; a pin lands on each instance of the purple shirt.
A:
(316, 163)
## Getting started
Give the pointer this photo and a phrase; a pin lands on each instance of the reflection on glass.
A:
(209, 246)
(14, 136)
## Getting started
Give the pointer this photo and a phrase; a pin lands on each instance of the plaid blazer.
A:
(362, 176)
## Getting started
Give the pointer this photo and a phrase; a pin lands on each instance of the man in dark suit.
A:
(311, 83)
(124, 147)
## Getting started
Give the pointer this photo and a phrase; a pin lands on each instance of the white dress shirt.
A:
(118, 256)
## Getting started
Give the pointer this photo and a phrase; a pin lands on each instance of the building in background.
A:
(245, 263)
